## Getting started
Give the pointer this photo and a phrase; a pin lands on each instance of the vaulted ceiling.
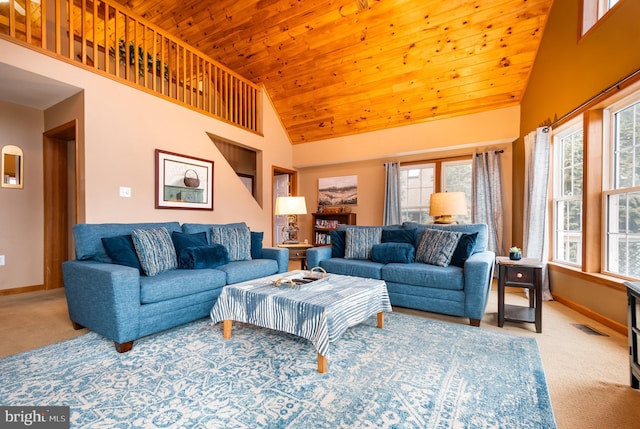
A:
(340, 67)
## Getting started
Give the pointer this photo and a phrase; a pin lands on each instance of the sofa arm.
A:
(280, 254)
(105, 298)
(315, 255)
(478, 274)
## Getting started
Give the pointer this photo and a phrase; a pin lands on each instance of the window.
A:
(419, 181)
(593, 11)
(567, 200)
(622, 200)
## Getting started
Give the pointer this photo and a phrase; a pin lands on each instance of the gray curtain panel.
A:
(537, 155)
(487, 197)
(392, 213)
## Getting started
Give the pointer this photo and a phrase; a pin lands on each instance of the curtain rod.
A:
(615, 86)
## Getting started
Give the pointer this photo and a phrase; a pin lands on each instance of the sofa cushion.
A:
(402, 235)
(155, 250)
(464, 249)
(178, 283)
(353, 267)
(337, 243)
(359, 241)
(393, 252)
(121, 251)
(199, 257)
(192, 228)
(424, 275)
(436, 247)
(240, 271)
(237, 241)
(182, 240)
(87, 237)
(465, 228)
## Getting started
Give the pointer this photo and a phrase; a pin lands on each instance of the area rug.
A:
(414, 373)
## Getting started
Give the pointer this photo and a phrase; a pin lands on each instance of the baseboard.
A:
(616, 326)
(24, 289)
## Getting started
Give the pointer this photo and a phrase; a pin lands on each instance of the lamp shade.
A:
(447, 204)
(290, 206)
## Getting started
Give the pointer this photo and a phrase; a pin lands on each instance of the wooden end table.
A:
(525, 273)
(298, 252)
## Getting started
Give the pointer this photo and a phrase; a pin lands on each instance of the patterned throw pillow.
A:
(237, 241)
(436, 247)
(359, 241)
(155, 250)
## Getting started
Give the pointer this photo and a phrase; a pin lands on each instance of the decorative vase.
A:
(515, 256)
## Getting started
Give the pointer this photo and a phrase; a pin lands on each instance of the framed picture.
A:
(336, 191)
(183, 182)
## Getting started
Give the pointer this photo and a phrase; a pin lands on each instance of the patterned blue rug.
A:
(414, 373)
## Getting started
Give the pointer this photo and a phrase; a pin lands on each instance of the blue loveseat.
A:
(122, 304)
(457, 290)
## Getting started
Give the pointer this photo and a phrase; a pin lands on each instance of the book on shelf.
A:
(322, 238)
(327, 223)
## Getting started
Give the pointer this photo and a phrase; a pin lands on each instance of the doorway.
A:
(285, 183)
(59, 152)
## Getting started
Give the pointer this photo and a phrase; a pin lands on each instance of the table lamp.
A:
(444, 205)
(290, 207)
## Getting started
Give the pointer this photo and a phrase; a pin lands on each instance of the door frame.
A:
(55, 165)
(293, 190)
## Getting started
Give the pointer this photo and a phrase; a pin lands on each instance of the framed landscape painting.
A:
(337, 191)
(183, 182)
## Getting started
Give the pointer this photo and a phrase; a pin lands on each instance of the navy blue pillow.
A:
(200, 257)
(338, 243)
(121, 251)
(398, 236)
(386, 253)
(464, 249)
(182, 240)
(256, 244)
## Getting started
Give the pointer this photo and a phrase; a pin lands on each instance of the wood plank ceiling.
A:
(341, 67)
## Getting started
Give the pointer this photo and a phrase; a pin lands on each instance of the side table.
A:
(298, 252)
(633, 317)
(525, 273)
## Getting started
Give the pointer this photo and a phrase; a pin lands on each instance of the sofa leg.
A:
(76, 326)
(124, 347)
(474, 322)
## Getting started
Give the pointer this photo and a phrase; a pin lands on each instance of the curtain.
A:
(537, 155)
(392, 213)
(487, 197)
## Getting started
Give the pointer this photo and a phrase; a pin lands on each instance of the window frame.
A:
(566, 130)
(438, 176)
(592, 13)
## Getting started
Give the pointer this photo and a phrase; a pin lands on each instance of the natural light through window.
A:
(593, 11)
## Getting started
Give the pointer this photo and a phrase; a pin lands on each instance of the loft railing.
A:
(102, 36)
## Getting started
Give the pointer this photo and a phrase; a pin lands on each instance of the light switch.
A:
(125, 192)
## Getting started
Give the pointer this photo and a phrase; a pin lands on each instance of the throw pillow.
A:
(398, 236)
(359, 241)
(199, 257)
(121, 251)
(155, 250)
(183, 240)
(337, 243)
(256, 244)
(436, 247)
(464, 249)
(236, 240)
(386, 253)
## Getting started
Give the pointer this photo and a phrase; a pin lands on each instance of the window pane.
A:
(457, 176)
(626, 151)
(416, 186)
(623, 235)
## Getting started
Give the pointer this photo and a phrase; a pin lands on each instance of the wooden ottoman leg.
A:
(381, 320)
(226, 329)
(322, 364)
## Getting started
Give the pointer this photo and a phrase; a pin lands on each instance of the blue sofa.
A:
(122, 304)
(454, 290)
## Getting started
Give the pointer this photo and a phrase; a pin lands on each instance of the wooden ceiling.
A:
(341, 67)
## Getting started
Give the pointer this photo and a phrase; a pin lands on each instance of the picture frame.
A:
(183, 182)
(338, 191)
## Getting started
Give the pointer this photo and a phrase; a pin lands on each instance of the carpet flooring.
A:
(414, 373)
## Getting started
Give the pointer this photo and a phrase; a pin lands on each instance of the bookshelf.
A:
(324, 223)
